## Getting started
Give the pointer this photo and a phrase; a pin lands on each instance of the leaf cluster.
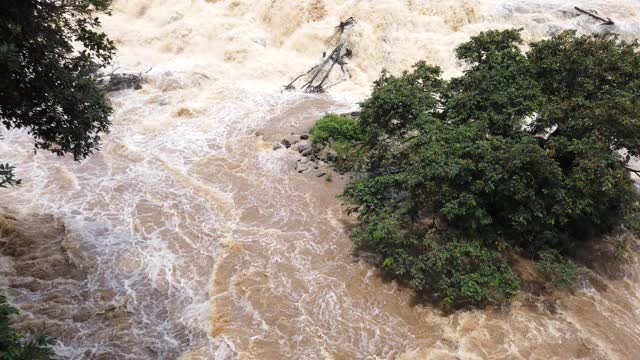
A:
(49, 54)
(16, 346)
(343, 135)
(526, 151)
(560, 271)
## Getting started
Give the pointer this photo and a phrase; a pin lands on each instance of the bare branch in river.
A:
(593, 13)
(320, 72)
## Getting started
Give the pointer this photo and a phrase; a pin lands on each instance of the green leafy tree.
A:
(497, 90)
(49, 54)
(525, 152)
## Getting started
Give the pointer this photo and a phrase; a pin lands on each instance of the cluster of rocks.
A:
(308, 157)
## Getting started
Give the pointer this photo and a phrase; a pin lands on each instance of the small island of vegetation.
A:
(527, 154)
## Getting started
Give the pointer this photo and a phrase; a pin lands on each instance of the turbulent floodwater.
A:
(188, 237)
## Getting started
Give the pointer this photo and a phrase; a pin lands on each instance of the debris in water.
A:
(594, 15)
(286, 143)
(320, 72)
(116, 82)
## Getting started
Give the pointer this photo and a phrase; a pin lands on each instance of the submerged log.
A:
(594, 15)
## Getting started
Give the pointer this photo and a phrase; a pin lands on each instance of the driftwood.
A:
(320, 73)
(594, 15)
(116, 82)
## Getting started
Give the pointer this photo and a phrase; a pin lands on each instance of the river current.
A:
(188, 237)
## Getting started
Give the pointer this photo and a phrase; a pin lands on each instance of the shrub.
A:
(456, 271)
(14, 345)
(335, 127)
(557, 269)
(343, 135)
(469, 272)
(621, 245)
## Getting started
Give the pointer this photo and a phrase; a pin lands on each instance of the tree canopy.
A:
(526, 152)
(49, 54)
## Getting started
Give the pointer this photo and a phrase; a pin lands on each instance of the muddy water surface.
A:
(188, 237)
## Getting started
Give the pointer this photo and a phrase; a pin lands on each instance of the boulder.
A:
(307, 152)
(276, 146)
(304, 146)
(304, 137)
(286, 143)
(331, 155)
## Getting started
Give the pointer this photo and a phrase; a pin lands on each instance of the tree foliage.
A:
(343, 135)
(526, 152)
(16, 346)
(560, 271)
(332, 127)
(49, 53)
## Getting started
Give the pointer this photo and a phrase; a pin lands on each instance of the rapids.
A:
(186, 236)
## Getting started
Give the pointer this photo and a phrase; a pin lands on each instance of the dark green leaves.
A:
(7, 177)
(47, 85)
(484, 46)
(399, 104)
(497, 91)
(523, 153)
(14, 345)
(560, 271)
(591, 87)
(469, 272)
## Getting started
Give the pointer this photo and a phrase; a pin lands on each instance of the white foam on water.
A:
(185, 184)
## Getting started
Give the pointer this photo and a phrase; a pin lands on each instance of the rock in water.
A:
(331, 155)
(304, 146)
(117, 82)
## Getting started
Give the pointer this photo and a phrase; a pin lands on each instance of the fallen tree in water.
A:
(320, 73)
(594, 15)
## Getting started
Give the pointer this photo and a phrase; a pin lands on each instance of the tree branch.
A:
(637, 172)
(606, 21)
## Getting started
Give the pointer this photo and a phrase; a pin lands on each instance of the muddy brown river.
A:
(188, 237)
